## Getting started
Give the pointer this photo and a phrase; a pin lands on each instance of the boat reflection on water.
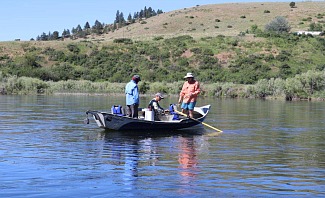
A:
(133, 153)
(188, 161)
(187, 157)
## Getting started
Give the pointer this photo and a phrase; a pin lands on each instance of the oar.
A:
(183, 114)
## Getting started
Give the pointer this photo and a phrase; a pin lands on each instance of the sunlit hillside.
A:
(222, 19)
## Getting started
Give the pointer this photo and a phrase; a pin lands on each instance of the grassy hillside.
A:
(216, 42)
(201, 21)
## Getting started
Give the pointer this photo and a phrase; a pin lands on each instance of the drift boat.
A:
(117, 120)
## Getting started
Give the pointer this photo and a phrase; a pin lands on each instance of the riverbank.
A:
(305, 86)
(217, 90)
(169, 95)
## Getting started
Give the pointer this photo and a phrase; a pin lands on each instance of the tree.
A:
(154, 13)
(44, 37)
(130, 18)
(55, 35)
(150, 12)
(136, 15)
(278, 25)
(73, 30)
(98, 27)
(145, 12)
(292, 4)
(66, 33)
(141, 14)
(78, 29)
(49, 36)
(87, 26)
(121, 20)
(159, 11)
(117, 18)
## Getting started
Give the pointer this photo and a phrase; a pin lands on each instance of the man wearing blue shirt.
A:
(132, 97)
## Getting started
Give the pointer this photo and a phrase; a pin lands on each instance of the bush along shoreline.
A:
(305, 86)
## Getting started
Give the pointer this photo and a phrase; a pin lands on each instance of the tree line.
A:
(100, 28)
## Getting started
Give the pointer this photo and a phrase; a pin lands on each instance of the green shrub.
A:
(123, 40)
(312, 81)
(157, 38)
(158, 87)
(183, 62)
(315, 27)
(293, 88)
(144, 87)
(196, 50)
(213, 89)
(262, 88)
(73, 48)
(25, 85)
(278, 25)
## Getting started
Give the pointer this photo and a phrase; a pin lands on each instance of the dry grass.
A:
(200, 21)
(17, 48)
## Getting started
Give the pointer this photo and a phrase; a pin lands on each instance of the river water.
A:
(268, 148)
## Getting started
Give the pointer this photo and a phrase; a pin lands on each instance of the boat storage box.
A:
(148, 115)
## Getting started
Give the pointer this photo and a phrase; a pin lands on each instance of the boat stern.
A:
(98, 117)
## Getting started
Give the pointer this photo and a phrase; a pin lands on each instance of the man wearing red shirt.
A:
(188, 95)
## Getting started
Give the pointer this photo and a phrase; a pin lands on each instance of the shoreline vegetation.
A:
(305, 86)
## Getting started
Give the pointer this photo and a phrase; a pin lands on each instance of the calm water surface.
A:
(268, 148)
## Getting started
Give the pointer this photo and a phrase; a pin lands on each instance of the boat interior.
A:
(146, 114)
